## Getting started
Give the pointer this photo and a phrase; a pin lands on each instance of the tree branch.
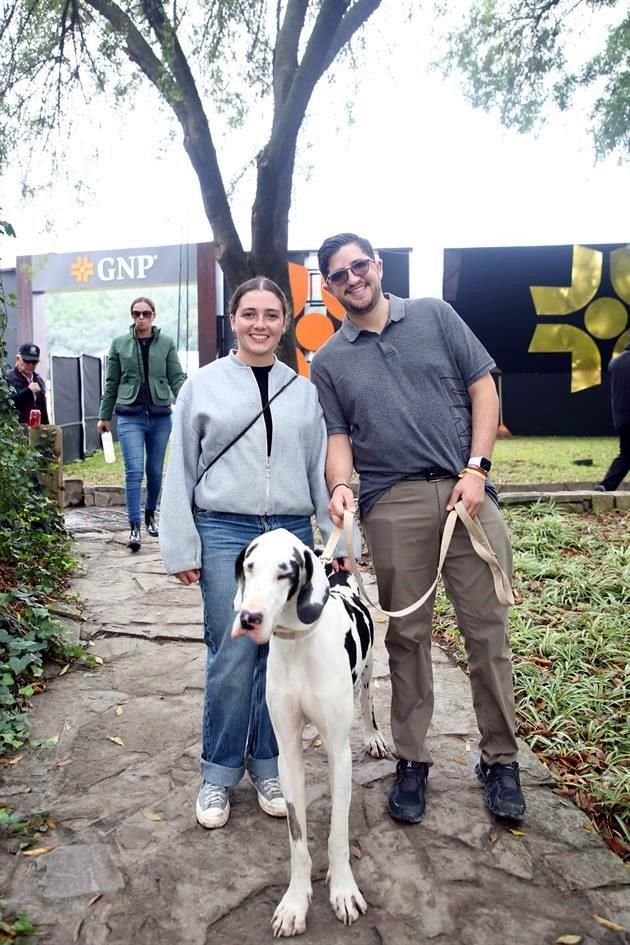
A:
(285, 61)
(352, 21)
(334, 27)
(173, 79)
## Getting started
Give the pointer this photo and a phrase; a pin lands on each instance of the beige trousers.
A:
(404, 530)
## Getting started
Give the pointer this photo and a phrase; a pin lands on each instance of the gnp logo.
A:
(112, 268)
(605, 317)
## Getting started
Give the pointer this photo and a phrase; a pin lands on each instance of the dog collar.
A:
(285, 634)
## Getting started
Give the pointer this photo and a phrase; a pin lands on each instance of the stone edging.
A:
(577, 496)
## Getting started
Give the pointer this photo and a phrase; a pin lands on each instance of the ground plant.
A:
(569, 637)
(16, 930)
(35, 566)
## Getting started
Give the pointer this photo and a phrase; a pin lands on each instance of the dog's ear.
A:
(314, 591)
(240, 581)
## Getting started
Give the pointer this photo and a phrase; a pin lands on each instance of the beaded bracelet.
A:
(336, 486)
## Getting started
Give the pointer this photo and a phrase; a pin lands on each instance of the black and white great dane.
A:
(321, 637)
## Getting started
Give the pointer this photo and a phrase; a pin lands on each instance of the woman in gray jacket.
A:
(227, 482)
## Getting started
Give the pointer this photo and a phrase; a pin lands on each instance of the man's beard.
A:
(366, 307)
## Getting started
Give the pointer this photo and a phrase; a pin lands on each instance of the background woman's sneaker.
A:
(213, 805)
(270, 797)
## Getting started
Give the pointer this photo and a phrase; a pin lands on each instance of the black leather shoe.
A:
(502, 784)
(134, 537)
(150, 523)
(407, 797)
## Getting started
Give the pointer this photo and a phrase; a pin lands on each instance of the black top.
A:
(144, 398)
(262, 378)
(24, 399)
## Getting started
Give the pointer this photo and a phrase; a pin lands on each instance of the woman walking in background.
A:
(143, 377)
(248, 453)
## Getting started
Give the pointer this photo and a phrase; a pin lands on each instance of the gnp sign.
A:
(108, 269)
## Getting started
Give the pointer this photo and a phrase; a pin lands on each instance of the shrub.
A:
(35, 565)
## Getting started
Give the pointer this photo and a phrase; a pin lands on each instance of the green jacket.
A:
(125, 372)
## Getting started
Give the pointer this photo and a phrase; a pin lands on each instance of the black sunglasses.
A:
(359, 267)
(145, 313)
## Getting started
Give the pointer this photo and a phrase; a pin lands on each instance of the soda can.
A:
(34, 418)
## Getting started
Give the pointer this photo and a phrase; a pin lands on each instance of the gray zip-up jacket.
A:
(213, 406)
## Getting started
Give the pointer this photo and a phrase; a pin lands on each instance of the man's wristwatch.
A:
(482, 461)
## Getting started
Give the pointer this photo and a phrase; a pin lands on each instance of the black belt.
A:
(433, 474)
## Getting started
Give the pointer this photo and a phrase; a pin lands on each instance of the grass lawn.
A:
(519, 459)
(532, 459)
(569, 637)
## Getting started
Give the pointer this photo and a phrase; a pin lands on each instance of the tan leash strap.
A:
(479, 541)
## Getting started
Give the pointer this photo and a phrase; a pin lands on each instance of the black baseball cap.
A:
(29, 352)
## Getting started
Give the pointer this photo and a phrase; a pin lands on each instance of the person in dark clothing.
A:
(619, 374)
(143, 376)
(28, 391)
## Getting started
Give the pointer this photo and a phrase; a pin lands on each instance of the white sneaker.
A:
(213, 805)
(270, 796)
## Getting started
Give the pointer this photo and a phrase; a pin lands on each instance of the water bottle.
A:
(108, 447)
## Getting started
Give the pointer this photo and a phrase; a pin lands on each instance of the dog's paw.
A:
(376, 746)
(290, 915)
(347, 901)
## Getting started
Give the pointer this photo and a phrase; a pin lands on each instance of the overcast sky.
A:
(416, 167)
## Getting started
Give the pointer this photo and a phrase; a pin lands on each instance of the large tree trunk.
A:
(270, 233)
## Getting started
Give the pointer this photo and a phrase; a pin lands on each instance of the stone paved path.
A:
(124, 810)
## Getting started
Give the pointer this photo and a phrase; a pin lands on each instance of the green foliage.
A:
(35, 563)
(85, 322)
(28, 828)
(517, 55)
(16, 931)
(571, 653)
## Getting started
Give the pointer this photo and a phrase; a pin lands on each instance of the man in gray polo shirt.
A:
(410, 404)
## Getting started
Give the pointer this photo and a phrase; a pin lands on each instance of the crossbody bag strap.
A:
(245, 429)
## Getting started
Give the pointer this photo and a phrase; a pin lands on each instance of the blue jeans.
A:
(135, 432)
(237, 730)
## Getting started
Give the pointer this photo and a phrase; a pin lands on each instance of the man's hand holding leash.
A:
(341, 500)
(470, 488)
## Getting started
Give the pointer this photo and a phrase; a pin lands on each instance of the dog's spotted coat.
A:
(321, 636)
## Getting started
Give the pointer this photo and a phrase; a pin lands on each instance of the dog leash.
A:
(479, 542)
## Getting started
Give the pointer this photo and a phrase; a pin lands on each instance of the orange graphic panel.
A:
(313, 330)
(302, 364)
(298, 280)
(334, 307)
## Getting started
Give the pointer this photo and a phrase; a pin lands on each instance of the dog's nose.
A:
(249, 619)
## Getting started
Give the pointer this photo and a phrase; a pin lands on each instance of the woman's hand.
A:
(188, 577)
(103, 426)
(342, 498)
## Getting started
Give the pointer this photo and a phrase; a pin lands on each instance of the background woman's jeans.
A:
(237, 730)
(135, 432)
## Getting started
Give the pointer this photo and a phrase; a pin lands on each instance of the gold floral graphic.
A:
(81, 269)
(604, 317)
